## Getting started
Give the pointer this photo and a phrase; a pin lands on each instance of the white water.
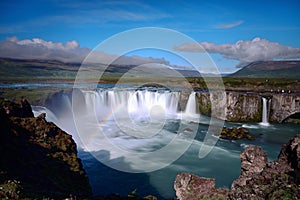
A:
(191, 106)
(142, 122)
(141, 104)
(129, 119)
(265, 112)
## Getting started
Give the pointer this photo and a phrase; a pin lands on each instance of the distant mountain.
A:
(30, 69)
(270, 69)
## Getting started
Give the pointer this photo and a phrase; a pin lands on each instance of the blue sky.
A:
(273, 24)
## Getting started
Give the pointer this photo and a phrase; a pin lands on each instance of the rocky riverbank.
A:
(259, 178)
(38, 160)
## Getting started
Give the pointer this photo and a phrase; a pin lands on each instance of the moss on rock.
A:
(236, 133)
(41, 157)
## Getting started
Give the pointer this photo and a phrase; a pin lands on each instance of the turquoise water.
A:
(112, 126)
(223, 163)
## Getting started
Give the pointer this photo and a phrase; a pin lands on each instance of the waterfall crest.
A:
(140, 103)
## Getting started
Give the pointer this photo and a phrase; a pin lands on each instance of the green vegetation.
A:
(281, 187)
(43, 71)
(35, 96)
(249, 84)
(38, 71)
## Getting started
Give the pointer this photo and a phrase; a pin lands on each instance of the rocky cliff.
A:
(247, 107)
(38, 160)
(235, 106)
(283, 106)
(227, 105)
(259, 178)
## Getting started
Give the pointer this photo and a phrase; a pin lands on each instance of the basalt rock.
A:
(18, 108)
(259, 178)
(291, 152)
(189, 187)
(247, 107)
(38, 160)
(231, 106)
(235, 133)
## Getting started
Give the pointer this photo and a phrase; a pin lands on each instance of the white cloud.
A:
(245, 51)
(230, 25)
(38, 48)
(72, 44)
(71, 51)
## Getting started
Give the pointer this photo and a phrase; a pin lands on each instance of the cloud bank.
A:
(71, 51)
(43, 50)
(245, 51)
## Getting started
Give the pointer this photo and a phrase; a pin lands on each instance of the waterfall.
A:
(191, 106)
(265, 109)
(138, 113)
(269, 107)
(140, 103)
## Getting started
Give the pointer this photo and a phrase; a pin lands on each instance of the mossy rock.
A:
(235, 133)
(42, 157)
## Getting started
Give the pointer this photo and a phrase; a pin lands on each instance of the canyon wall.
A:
(247, 107)
(226, 105)
(283, 106)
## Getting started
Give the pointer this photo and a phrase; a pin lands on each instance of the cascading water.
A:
(191, 107)
(120, 113)
(116, 114)
(133, 104)
(265, 109)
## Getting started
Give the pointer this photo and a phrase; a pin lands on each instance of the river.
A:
(138, 140)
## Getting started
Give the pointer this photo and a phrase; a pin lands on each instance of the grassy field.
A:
(38, 71)
(38, 95)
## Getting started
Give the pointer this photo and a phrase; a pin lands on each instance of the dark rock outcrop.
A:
(259, 178)
(20, 108)
(235, 133)
(38, 160)
(269, 180)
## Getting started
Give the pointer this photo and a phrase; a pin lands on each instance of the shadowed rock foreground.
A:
(37, 159)
(259, 178)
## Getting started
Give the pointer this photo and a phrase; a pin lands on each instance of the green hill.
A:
(26, 69)
(270, 69)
